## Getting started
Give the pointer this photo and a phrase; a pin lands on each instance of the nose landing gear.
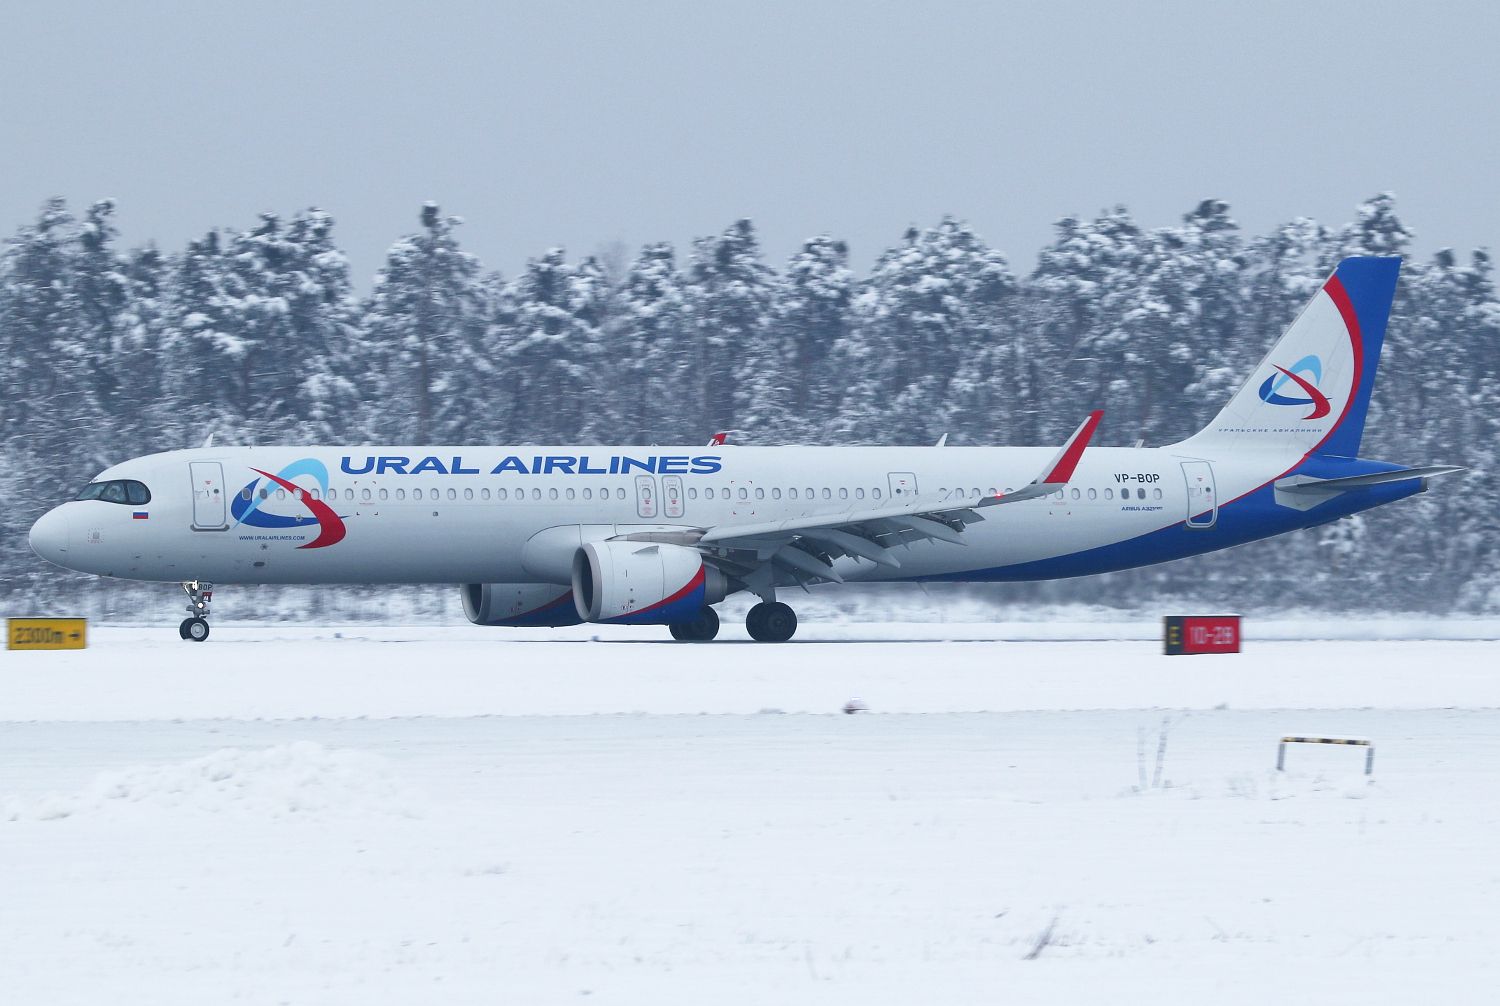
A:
(199, 593)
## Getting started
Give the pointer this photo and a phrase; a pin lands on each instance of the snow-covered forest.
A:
(259, 336)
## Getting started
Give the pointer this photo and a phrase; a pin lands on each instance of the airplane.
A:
(558, 535)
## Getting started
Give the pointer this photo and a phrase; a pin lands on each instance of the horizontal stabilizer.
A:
(1303, 492)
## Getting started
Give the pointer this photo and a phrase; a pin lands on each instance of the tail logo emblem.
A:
(1270, 392)
(246, 503)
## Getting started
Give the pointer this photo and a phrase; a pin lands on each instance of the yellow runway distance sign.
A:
(46, 633)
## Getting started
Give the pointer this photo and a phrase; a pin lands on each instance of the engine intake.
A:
(643, 583)
(519, 604)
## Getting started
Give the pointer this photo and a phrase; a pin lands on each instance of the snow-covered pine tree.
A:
(734, 366)
(927, 303)
(551, 353)
(426, 339)
(649, 336)
(322, 328)
(202, 351)
(812, 316)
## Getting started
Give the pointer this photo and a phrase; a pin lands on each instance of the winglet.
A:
(1059, 470)
(721, 438)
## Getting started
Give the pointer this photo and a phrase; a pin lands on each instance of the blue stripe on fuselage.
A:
(1249, 518)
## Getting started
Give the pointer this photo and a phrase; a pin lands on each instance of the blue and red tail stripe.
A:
(1362, 289)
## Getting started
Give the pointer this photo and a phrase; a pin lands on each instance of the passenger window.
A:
(827, 493)
(1156, 493)
(453, 494)
(281, 494)
(992, 491)
(1093, 494)
(791, 493)
(384, 495)
(809, 492)
(364, 494)
(536, 494)
(1077, 494)
(484, 494)
(468, 494)
(1109, 494)
(400, 495)
(1140, 494)
(552, 494)
(245, 494)
(570, 494)
(776, 494)
(760, 494)
(265, 493)
(588, 493)
(502, 494)
(349, 495)
(692, 493)
(859, 494)
(875, 493)
(975, 492)
(620, 493)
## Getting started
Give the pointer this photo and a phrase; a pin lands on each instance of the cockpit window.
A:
(126, 491)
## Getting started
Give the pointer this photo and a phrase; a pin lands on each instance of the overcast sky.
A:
(589, 124)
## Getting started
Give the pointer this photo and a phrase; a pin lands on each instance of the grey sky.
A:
(586, 124)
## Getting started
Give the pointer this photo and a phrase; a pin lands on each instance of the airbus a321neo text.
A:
(547, 536)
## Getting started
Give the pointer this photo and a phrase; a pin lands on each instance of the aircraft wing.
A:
(798, 550)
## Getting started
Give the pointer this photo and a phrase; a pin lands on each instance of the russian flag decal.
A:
(140, 515)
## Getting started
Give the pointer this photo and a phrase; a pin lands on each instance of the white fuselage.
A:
(516, 514)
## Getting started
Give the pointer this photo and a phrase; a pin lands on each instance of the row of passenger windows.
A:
(588, 493)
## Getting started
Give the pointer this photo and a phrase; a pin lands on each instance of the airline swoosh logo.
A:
(1270, 391)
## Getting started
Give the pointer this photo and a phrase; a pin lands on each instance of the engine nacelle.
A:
(519, 604)
(643, 583)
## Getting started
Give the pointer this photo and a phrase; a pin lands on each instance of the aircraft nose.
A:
(49, 536)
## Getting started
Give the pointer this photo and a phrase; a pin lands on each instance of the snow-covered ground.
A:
(373, 815)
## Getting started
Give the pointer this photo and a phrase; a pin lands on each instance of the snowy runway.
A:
(198, 824)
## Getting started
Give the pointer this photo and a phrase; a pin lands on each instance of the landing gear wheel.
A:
(771, 622)
(195, 626)
(699, 630)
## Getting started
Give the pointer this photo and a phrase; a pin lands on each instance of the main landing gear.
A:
(199, 594)
(699, 630)
(767, 622)
(771, 622)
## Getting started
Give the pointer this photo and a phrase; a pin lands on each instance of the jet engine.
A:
(643, 583)
(519, 604)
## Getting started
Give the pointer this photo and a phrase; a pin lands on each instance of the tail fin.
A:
(1311, 392)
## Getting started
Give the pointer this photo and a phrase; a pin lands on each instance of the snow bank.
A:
(300, 779)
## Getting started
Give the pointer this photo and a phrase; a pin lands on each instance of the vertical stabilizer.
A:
(1311, 392)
